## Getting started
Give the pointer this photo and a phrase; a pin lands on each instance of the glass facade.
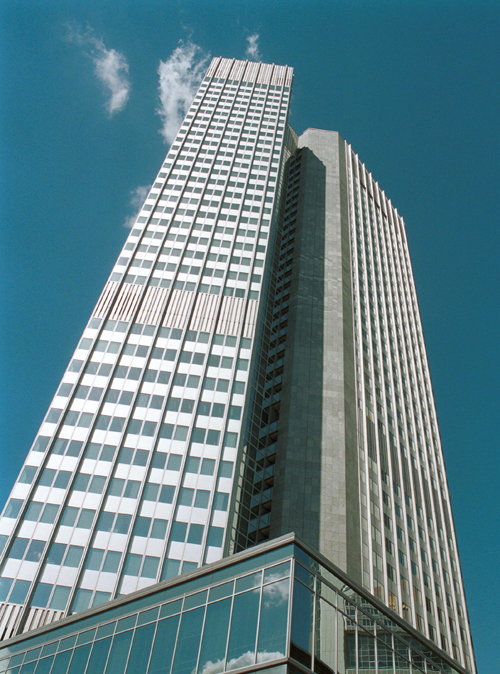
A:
(275, 607)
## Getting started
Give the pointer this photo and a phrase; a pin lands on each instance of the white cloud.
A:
(110, 67)
(248, 659)
(275, 594)
(264, 656)
(213, 667)
(252, 51)
(137, 198)
(244, 660)
(180, 76)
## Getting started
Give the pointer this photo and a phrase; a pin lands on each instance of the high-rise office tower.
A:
(255, 366)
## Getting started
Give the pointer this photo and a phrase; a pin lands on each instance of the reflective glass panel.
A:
(163, 650)
(213, 649)
(61, 662)
(99, 656)
(45, 665)
(276, 572)
(119, 652)
(384, 650)
(141, 649)
(188, 643)
(326, 631)
(80, 659)
(366, 650)
(241, 652)
(273, 621)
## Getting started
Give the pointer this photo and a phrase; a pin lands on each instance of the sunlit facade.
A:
(254, 366)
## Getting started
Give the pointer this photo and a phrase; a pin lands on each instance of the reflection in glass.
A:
(366, 650)
(163, 650)
(188, 643)
(384, 650)
(241, 651)
(304, 575)
(276, 572)
(273, 621)
(401, 654)
(213, 648)
(247, 582)
(349, 635)
(325, 639)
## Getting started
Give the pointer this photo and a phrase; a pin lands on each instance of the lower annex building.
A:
(250, 403)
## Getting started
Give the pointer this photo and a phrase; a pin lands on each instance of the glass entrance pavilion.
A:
(276, 607)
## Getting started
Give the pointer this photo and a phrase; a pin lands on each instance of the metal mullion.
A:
(397, 317)
(202, 633)
(355, 251)
(147, 360)
(413, 495)
(424, 404)
(245, 192)
(220, 207)
(181, 615)
(388, 301)
(337, 629)
(148, 466)
(217, 461)
(396, 620)
(381, 309)
(371, 253)
(401, 359)
(88, 357)
(356, 637)
(314, 618)
(358, 197)
(230, 623)
(437, 505)
(257, 628)
(406, 275)
(290, 607)
(133, 639)
(134, 630)
(220, 458)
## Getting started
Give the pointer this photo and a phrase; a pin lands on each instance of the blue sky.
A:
(413, 86)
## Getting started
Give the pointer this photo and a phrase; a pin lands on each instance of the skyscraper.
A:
(255, 366)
